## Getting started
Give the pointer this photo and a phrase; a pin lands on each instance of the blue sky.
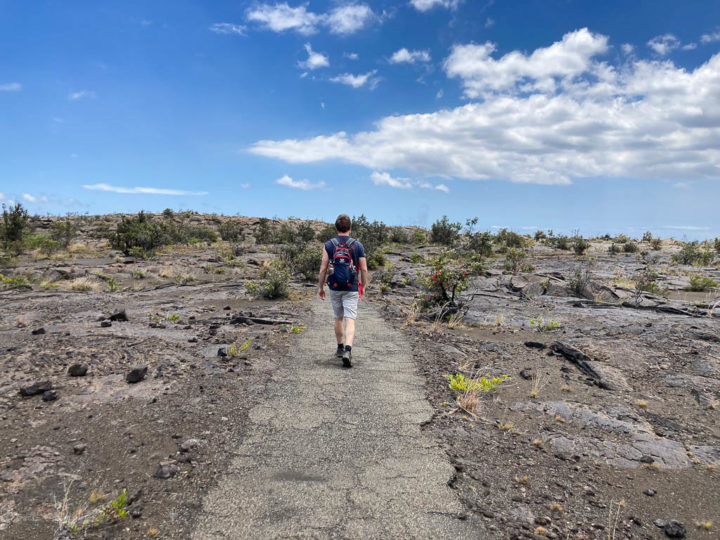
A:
(602, 117)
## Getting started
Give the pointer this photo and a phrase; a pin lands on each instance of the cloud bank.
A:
(342, 20)
(142, 190)
(557, 114)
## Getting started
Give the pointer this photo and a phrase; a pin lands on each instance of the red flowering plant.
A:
(444, 284)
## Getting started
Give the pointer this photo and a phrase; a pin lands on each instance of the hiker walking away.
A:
(346, 258)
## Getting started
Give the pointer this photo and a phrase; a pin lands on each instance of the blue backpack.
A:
(344, 273)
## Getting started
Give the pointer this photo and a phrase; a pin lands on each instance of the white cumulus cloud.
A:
(551, 116)
(10, 87)
(29, 198)
(305, 185)
(357, 81)
(314, 60)
(405, 56)
(344, 19)
(349, 19)
(228, 28)
(710, 37)
(664, 44)
(425, 5)
(142, 190)
(481, 73)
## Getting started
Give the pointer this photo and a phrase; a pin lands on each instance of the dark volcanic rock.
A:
(222, 351)
(674, 529)
(79, 448)
(120, 316)
(77, 370)
(136, 375)
(49, 395)
(38, 331)
(534, 345)
(35, 388)
(105, 324)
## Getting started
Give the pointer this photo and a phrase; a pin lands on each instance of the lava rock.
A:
(650, 492)
(189, 444)
(222, 352)
(49, 395)
(166, 470)
(534, 345)
(38, 331)
(674, 529)
(120, 316)
(77, 370)
(79, 448)
(136, 375)
(105, 324)
(136, 511)
(193, 340)
(35, 388)
(527, 373)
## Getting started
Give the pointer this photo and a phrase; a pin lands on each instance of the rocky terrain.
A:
(125, 385)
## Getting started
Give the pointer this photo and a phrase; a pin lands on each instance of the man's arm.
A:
(321, 277)
(363, 272)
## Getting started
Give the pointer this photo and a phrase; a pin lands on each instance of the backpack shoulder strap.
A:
(335, 242)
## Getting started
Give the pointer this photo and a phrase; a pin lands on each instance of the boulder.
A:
(35, 388)
(136, 375)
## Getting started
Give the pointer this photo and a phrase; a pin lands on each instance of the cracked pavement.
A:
(335, 453)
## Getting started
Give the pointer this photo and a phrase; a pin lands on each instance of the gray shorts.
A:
(344, 303)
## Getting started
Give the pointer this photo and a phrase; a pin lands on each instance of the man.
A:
(347, 256)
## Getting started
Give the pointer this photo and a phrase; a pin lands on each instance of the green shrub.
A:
(194, 235)
(274, 283)
(630, 247)
(419, 236)
(445, 283)
(168, 213)
(509, 239)
(231, 231)
(514, 259)
(561, 242)
(371, 235)
(621, 239)
(614, 249)
(701, 283)
(46, 245)
(647, 281)
(647, 237)
(264, 233)
(580, 245)
(461, 383)
(302, 259)
(376, 260)
(481, 243)
(540, 235)
(416, 258)
(656, 244)
(444, 232)
(64, 231)
(327, 233)
(140, 235)
(14, 226)
(14, 282)
(304, 233)
(717, 245)
(691, 254)
(285, 235)
(399, 236)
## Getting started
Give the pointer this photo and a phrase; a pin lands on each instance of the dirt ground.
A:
(607, 427)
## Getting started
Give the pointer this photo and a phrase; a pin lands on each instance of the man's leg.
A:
(349, 331)
(339, 329)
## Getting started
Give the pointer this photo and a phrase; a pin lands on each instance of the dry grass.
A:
(469, 402)
(539, 381)
(412, 315)
(83, 284)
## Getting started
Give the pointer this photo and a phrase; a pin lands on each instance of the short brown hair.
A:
(343, 223)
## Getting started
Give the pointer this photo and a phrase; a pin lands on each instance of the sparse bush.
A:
(141, 236)
(562, 242)
(285, 235)
(444, 232)
(514, 259)
(416, 258)
(580, 281)
(371, 235)
(630, 247)
(194, 235)
(692, 254)
(327, 233)
(13, 228)
(231, 231)
(168, 213)
(274, 283)
(419, 236)
(701, 283)
(621, 239)
(647, 281)
(14, 282)
(656, 244)
(540, 235)
(461, 383)
(580, 245)
(302, 259)
(305, 233)
(444, 284)
(264, 233)
(717, 245)
(510, 239)
(481, 243)
(399, 236)
(614, 249)
(647, 237)
(376, 260)
(64, 231)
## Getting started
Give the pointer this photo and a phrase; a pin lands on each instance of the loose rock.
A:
(674, 529)
(136, 375)
(77, 370)
(79, 448)
(49, 395)
(166, 470)
(120, 316)
(35, 388)
(38, 331)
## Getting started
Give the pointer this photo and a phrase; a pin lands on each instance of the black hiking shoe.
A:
(346, 357)
(340, 351)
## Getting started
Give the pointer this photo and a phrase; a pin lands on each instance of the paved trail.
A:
(338, 453)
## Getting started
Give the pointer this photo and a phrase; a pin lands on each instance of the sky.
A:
(602, 117)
